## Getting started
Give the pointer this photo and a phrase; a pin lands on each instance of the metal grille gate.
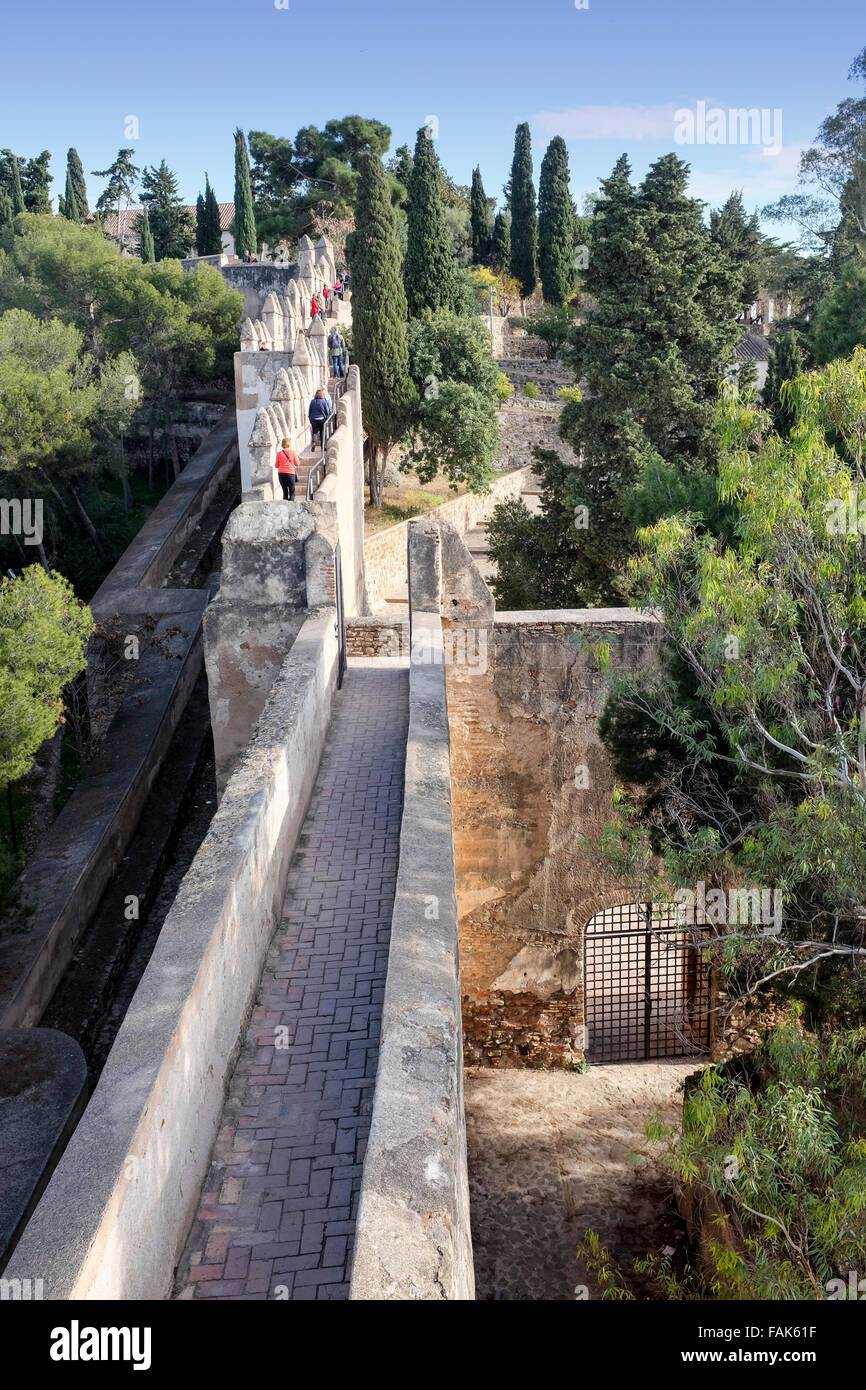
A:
(646, 993)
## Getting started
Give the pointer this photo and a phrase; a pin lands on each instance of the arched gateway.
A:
(646, 989)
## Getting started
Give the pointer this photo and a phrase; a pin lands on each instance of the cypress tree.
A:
(245, 220)
(524, 227)
(213, 238)
(500, 245)
(479, 216)
(145, 236)
(11, 176)
(555, 225)
(199, 225)
(6, 213)
(430, 268)
(36, 179)
(379, 335)
(68, 203)
(786, 363)
(75, 176)
(739, 236)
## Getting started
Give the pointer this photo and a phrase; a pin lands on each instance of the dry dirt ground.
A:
(553, 1154)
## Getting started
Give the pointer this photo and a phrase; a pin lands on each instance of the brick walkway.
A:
(278, 1207)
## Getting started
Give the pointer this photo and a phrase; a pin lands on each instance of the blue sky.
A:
(608, 77)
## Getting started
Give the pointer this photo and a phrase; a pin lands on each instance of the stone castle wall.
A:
(523, 722)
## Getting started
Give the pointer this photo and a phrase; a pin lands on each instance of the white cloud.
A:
(762, 179)
(608, 122)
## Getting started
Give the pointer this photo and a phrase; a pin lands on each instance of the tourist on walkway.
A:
(338, 287)
(337, 349)
(326, 295)
(319, 412)
(314, 309)
(287, 470)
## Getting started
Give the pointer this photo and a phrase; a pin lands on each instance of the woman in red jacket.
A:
(287, 470)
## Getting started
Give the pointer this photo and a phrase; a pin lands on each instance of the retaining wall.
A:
(113, 1219)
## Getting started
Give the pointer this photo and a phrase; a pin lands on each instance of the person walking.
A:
(338, 287)
(326, 295)
(318, 413)
(337, 349)
(287, 466)
(314, 309)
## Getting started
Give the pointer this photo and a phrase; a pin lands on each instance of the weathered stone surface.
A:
(43, 1083)
(532, 787)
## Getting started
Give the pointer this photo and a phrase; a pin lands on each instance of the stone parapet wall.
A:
(413, 1239)
(114, 1217)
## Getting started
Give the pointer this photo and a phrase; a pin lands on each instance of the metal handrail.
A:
(316, 475)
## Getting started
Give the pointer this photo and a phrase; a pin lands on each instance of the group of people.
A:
(321, 406)
(321, 302)
(320, 411)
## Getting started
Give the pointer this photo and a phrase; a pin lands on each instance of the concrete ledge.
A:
(114, 1217)
(413, 1239)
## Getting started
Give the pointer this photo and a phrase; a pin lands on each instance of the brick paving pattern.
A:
(278, 1207)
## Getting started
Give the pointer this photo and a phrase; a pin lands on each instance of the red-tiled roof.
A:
(129, 220)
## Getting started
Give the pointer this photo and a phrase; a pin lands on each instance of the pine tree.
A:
(169, 221)
(555, 225)
(245, 220)
(500, 244)
(146, 250)
(199, 225)
(524, 227)
(786, 363)
(75, 175)
(379, 335)
(213, 237)
(6, 213)
(68, 203)
(122, 176)
(430, 270)
(10, 176)
(650, 352)
(479, 214)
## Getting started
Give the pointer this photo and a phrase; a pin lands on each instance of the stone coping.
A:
(413, 1239)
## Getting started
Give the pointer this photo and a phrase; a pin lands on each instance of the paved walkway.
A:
(278, 1207)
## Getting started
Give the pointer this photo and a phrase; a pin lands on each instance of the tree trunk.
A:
(128, 499)
(171, 446)
(88, 524)
(378, 458)
(13, 832)
(150, 461)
